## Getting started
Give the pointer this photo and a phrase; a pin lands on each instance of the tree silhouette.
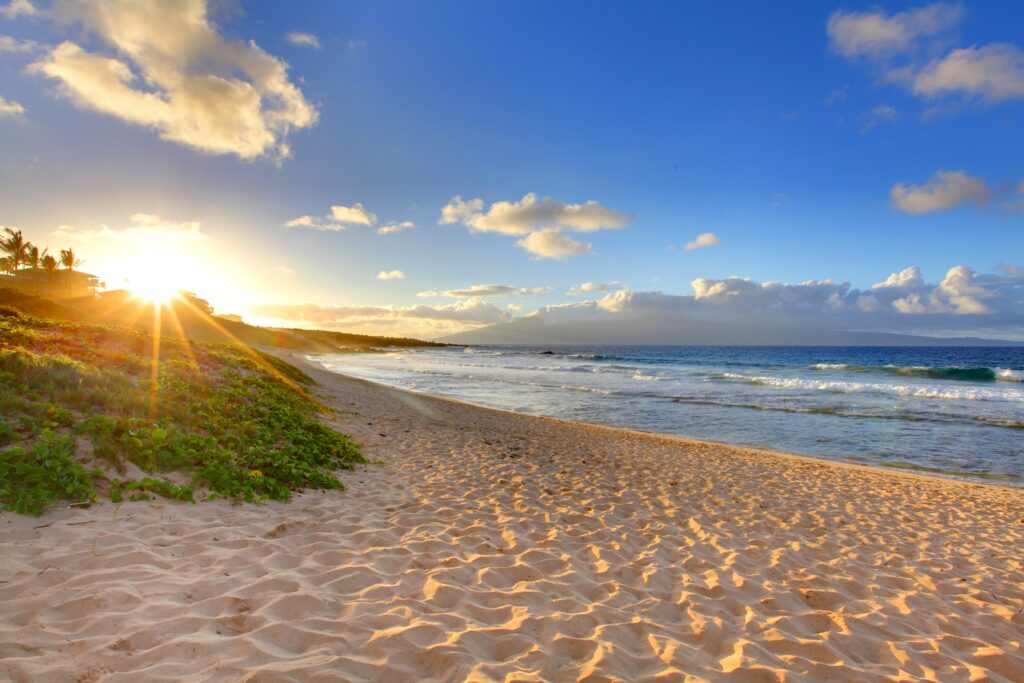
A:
(68, 260)
(49, 264)
(15, 246)
(34, 257)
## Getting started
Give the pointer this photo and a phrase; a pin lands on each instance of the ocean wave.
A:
(953, 372)
(642, 377)
(908, 390)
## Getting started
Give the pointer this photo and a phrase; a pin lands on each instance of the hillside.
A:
(90, 411)
(191, 318)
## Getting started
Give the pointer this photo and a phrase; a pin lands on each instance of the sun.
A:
(155, 280)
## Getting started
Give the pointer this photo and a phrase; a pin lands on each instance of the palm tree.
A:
(34, 257)
(15, 246)
(49, 264)
(68, 259)
(6, 265)
(70, 262)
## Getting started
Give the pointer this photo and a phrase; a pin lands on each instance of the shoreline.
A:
(1011, 484)
(491, 545)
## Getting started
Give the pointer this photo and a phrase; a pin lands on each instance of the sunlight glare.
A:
(157, 278)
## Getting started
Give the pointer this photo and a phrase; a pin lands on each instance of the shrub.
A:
(238, 422)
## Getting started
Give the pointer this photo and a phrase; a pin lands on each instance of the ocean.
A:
(952, 411)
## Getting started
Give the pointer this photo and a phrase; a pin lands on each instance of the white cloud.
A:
(552, 243)
(944, 191)
(908, 277)
(591, 287)
(964, 292)
(339, 218)
(903, 48)
(420, 320)
(355, 214)
(460, 211)
(143, 227)
(175, 73)
(11, 108)
(356, 44)
(532, 213)
(9, 44)
(394, 227)
(964, 302)
(992, 72)
(703, 240)
(485, 291)
(314, 223)
(876, 34)
(15, 8)
(303, 39)
(390, 275)
(543, 222)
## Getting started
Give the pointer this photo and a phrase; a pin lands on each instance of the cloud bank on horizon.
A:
(963, 302)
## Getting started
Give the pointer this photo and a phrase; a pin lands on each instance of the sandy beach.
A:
(492, 546)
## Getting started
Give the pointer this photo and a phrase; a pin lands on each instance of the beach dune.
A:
(493, 546)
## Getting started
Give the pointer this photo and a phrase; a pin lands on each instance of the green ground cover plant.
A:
(80, 404)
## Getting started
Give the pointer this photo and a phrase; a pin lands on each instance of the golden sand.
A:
(494, 546)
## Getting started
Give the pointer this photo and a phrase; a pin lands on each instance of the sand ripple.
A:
(490, 546)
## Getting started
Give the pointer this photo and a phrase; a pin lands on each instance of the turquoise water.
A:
(956, 411)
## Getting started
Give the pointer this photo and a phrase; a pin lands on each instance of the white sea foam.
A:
(1007, 375)
(641, 377)
(910, 390)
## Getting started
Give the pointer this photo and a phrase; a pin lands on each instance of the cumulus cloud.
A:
(947, 189)
(992, 72)
(542, 222)
(390, 275)
(963, 302)
(340, 217)
(876, 34)
(485, 291)
(591, 287)
(11, 108)
(420, 320)
(908, 277)
(394, 227)
(172, 71)
(143, 227)
(354, 214)
(703, 240)
(552, 243)
(303, 39)
(902, 47)
(16, 8)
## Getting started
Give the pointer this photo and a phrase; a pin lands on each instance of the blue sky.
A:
(782, 134)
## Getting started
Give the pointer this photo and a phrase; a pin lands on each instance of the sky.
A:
(427, 168)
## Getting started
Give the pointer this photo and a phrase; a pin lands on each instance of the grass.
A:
(80, 404)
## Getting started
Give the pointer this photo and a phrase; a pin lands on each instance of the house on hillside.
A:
(59, 284)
